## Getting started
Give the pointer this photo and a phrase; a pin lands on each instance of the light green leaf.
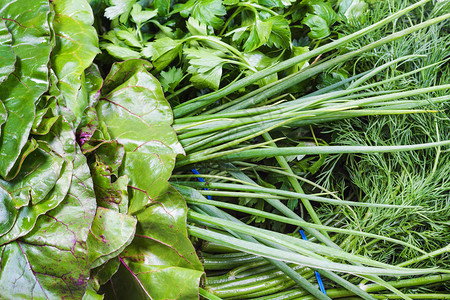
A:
(280, 35)
(323, 10)
(131, 94)
(171, 79)
(163, 51)
(318, 25)
(353, 10)
(32, 44)
(119, 52)
(196, 28)
(161, 253)
(76, 47)
(51, 261)
(7, 56)
(206, 11)
(129, 37)
(120, 8)
(259, 35)
(140, 16)
(110, 233)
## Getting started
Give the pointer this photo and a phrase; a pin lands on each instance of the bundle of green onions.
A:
(267, 125)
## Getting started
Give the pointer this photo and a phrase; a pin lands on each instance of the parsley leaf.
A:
(205, 66)
(120, 8)
(171, 79)
(206, 11)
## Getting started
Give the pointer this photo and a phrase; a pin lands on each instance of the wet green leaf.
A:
(31, 37)
(76, 47)
(206, 11)
(51, 261)
(7, 56)
(110, 233)
(160, 254)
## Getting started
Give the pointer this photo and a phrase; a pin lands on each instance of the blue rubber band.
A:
(319, 279)
(201, 180)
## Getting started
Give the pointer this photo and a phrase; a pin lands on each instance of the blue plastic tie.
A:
(319, 279)
(201, 180)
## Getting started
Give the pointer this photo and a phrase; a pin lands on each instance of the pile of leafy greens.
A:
(84, 167)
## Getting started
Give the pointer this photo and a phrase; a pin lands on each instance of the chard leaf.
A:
(76, 47)
(133, 95)
(205, 11)
(156, 256)
(136, 115)
(110, 233)
(8, 58)
(31, 37)
(60, 141)
(59, 237)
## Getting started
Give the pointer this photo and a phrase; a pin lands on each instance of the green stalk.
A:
(278, 263)
(223, 263)
(257, 284)
(295, 184)
(202, 101)
(277, 254)
(204, 293)
(298, 245)
(286, 151)
(263, 192)
(295, 222)
(414, 296)
(249, 269)
(215, 248)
